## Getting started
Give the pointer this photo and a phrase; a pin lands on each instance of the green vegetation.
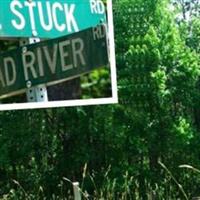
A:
(145, 147)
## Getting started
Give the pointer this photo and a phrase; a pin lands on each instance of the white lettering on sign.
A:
(49, 25)
(59, 16)
(97, 7)
(30, 6)
(2, 79)
(8, 73)
(10, 63)
(70, 20)
(51, 59)
(20, 23)
(40, 63)
(28, 60)
(64, 54)
(70, 54)
(77, 48)
(43, 61)
(55, 8)
(98, 32)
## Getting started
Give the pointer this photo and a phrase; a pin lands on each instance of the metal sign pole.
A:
(37, 93)
(77, 194)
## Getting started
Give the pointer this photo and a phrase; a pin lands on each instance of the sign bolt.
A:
(28, 84)
(34, 33)
(24, 49)
(101, 20)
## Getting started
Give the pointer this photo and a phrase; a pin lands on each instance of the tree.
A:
(157, 85)
(154, 121)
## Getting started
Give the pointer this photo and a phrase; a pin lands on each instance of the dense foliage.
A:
(142, 148)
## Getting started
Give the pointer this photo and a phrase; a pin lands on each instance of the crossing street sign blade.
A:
(48, 19)
(53, 61)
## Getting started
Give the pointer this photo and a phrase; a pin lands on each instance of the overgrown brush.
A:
(126, 187)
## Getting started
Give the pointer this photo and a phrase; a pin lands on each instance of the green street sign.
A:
(48, 19)
(52, 61)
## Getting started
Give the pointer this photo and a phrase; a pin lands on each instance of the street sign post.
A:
(48, 19)
(39, 92)
(52, 61)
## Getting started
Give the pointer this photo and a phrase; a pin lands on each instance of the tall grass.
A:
(125, 187)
